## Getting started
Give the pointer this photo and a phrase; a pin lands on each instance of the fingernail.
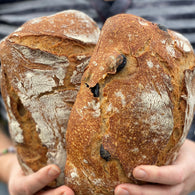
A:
(64, 193)
(140, 173)
(121, 191)
(53, 171)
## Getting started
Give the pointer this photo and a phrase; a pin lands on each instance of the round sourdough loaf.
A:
(42, 64)
(135, 105)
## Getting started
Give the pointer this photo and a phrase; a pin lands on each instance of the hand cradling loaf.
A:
(135, 103)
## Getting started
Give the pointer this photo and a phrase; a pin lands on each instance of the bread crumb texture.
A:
(42, 64)
(135, 105)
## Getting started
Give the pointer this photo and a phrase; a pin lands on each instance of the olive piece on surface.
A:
(104, 153)
(95, 90)
(121, 62)
(161, 27)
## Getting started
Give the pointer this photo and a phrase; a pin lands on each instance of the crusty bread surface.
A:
(135, 105)
(42, 64)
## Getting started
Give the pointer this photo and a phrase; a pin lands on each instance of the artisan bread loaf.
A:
(42, 65)
(135, 105)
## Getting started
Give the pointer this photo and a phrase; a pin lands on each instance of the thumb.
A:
(41, 178)
(35, 182)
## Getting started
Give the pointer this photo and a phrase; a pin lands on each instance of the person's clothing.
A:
(3, 189)
(191, 134)
(177, 15)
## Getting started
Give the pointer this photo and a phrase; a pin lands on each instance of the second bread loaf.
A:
(42, 65)
(134, 107)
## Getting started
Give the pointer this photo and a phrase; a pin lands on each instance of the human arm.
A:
(19, 184)
(5, 160)
(178, 178)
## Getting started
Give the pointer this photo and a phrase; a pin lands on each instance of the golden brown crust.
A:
(134, 116)
(71, 24)
(42, 65)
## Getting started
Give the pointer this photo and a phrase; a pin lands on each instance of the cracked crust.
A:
(42, 64)
(140, 115)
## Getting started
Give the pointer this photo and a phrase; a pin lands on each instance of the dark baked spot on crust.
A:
(121, 62)
(161, 27)
(104, 153)
(86, 85)
(20, 108)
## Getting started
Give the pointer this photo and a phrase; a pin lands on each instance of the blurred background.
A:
(178, 15)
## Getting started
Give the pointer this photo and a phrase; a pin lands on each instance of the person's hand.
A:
(177, 179)
(19, 184)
